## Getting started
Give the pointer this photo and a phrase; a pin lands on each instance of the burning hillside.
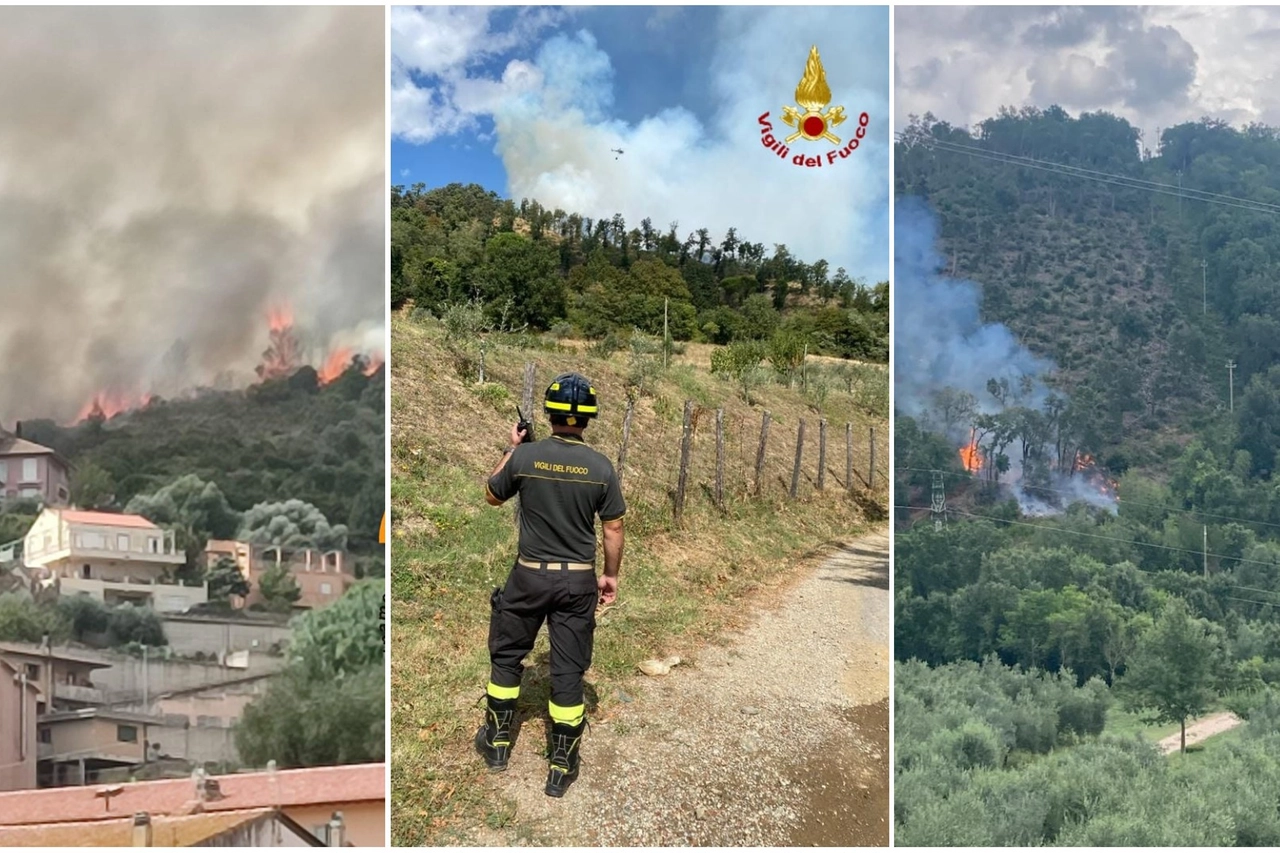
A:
(977, 384)
(285, 355)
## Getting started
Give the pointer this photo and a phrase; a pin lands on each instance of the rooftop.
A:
(351, 783)
(181, 831)
(110, 519)
(63, 653)
(11, 445)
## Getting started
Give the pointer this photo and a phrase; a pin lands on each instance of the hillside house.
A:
(18, 713)
(113, 557)
(322, 576)
(30, 470)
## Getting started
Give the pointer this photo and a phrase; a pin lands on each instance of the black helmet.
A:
(571, 396)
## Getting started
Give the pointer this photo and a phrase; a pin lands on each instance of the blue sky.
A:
(528, 102)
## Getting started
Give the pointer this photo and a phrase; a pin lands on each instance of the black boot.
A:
(493, 740)
(565, 741)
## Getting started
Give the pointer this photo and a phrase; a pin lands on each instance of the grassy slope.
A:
(678, 588)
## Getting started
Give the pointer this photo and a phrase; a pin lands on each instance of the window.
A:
(127, 734)
(122, 542)
(154, 544)
(30, 470)
(84, 571)
(33, 672)
(46, 734)
(325, 589)
(4, 471)
(62, 493)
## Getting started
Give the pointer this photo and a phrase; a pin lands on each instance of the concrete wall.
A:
(16, 772)
(188, 635)
(263, 833)
(366, 822)
(123, 681)
(96, 737)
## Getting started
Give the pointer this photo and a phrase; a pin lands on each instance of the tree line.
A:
(550, 270)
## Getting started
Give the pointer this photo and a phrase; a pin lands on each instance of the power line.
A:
(1021, 159)
(1106, 177)
(1170, 509)
(1094, 536)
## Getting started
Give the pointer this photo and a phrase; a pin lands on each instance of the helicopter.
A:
(617, 151)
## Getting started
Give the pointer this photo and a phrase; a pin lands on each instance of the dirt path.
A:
(1214, 724)
(780, 737)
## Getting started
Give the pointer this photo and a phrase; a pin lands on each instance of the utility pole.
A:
(1231, 382)
(1179, 195)
(1206, 550)
(665, 302)
(1204, 286)
(939, 505)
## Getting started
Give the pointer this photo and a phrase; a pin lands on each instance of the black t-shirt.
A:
(563, 485)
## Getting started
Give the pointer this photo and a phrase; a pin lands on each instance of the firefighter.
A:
(563, 486)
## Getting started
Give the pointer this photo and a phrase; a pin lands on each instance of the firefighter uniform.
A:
(563, 485)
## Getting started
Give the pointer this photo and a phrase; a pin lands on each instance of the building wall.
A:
(263, 833)
(119, 587)
(188, 635)
(123, 681)
(365, 821)
(50, 482)
(98, 737)
(16, 772)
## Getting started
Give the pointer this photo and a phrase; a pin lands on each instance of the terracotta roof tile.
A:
(113, 519)
(307, 786)
(165, 831)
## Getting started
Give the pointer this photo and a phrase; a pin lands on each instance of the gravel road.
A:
(779, 737)
(1214, 724)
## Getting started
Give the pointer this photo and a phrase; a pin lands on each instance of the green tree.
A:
(1171, 673)
(225, 580)
(279, 589)
(343, 638)
(92, 486)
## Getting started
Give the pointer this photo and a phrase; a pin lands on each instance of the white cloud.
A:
(554, 134)
(1155, 66)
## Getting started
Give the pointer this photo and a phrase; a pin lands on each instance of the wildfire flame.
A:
(813, 92)
(970, 456)
(1085, 465)
(105, 405)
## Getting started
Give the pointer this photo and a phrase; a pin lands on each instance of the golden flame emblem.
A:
(813, 95)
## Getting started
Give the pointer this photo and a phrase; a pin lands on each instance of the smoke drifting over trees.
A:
(166, 176)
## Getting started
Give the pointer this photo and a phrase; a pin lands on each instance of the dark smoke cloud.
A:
(167, 175)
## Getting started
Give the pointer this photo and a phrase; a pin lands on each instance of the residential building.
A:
(18, 714)
(63, 676)
(85, 746)
(322, 576)
(113, 557)
(242, 828)
(315, 798)
(30, 470)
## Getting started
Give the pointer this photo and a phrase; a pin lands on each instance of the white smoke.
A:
(551, 110)
(166, 175)
(941, 341)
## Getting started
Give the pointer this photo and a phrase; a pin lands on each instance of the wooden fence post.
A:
(764, 437)
(526, 397)
(822, 453)
(848, 457)
(626, 436)
(685, 440)
(795, 470)
(720, 458)
(871, 473)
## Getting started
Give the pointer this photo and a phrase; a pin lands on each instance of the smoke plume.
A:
(167, 175)
(941, 342)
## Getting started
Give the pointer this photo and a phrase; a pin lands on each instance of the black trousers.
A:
(567, 602)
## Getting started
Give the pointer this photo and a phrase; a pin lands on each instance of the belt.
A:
(569, 567)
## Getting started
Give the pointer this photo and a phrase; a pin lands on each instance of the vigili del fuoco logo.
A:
(815, 123)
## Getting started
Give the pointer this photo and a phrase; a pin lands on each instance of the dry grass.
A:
(680, 587)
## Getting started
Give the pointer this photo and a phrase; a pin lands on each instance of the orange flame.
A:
(970, 456)
(335, 365)
(105, 405)
(1084, 464)
(280, 317)
(375, 363)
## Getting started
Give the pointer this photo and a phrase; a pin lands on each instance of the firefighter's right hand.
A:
(517, 435)
(608, 589)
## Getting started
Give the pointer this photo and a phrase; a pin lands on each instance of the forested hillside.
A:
(288, 439)
(552, 270)
(1045, 643)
